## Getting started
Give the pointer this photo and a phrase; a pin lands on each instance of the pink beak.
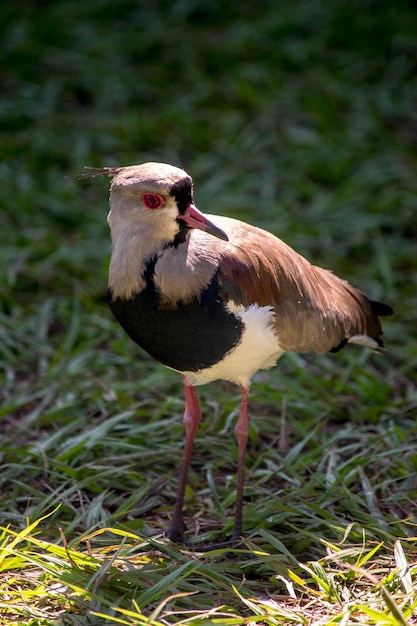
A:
(195, 219)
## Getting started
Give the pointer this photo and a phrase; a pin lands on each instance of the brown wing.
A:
(315, 310)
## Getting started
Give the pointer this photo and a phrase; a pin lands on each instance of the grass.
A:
(299, 118)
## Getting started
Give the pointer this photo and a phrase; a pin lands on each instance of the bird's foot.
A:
(176, 534)
(234, 543)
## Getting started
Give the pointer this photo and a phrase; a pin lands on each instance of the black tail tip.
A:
(380, 308)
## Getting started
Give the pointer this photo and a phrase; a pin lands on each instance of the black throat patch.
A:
(183, 194)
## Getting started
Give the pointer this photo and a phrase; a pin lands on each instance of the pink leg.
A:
(241, 434)
(192, 417)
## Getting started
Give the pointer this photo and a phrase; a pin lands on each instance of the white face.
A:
(143, 206)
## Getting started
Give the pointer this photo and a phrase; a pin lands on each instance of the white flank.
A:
(257, 349)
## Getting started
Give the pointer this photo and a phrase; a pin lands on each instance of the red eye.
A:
(152, 200)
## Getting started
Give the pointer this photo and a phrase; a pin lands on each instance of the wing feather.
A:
(314, 309)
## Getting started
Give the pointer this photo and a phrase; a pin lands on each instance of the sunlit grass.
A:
(129, 579)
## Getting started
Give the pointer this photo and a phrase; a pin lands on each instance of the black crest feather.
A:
(100, 171)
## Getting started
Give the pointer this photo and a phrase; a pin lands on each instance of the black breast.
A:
(189, 337)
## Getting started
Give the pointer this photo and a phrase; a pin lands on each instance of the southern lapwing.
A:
(215, 298)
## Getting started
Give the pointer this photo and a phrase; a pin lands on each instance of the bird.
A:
(215, 298)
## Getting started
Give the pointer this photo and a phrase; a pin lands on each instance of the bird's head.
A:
(158, 199)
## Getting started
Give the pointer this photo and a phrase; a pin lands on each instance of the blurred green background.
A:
(301, 118)
(297, 116)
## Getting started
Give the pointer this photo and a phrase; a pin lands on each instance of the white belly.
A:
(257, 349)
